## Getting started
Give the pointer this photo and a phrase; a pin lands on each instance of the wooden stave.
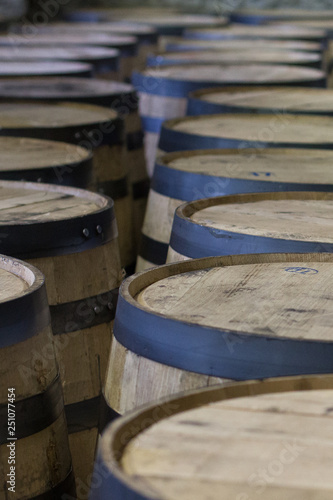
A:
(40, 388)
(153, 249)
(80, 327)
(236, 242)
(74, 174)
(197, 105)
(113, 181)
(120, 97)
(125, 361)
(109, 469)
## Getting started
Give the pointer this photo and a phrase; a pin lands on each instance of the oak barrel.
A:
(119, 96)
(23, 69)
(198, 322)
(273, 32)
(39, 160)
(236, 56)
(35, 457)
(192, 175)
(263, 100)
(252, 223)
(104, 61)
(163, 91)
(127, 45)
(186, 44)
(146, 35)
(71, 236)
(100, 131)
(268, 438)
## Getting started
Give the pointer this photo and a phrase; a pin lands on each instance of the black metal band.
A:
(78, 174)
(33, 414)
(65, 490)
(153, 251)
(59, 237)
(116, 189)
(89, 136)
(85, 313)
(141, 189)
(106, 415)
(83, 415)
(24, 317)
(134, 140)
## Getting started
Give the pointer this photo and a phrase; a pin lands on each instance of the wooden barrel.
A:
(262, 16)
(35, 456)
(105, 61)
(252, 223)
(126, 45)
(36, 160)
(247, 131)
(243, 32)
(264, 100)
(193, 175)
(249, 56)
(146, 35)
(23, 69)
(163, 91)
(199, 322)
(97, 129)
(119, 96)
(182, 44)
(240, 441)
(71, 236)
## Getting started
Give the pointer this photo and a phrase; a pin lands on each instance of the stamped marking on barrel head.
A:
(301, 270)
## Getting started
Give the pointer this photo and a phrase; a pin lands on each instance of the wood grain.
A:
(18, 153)
(281, 31)
(12, 286)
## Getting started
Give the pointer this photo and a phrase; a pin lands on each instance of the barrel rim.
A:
(123, 430)
(64, 236)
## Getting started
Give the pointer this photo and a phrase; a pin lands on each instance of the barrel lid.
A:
(107, 93)
(42, 68)
(237, 441)
(189, 44)
(306, 100)
(249, 223)
(180, 20)
(19, 153)
(243, 316)
(178, 80)
(44, 219)
(235, 56)
(105, 39)
(284, 32)
(244, 131)
(285, 14)
(115, 27)
(87, 52)
(15, 279)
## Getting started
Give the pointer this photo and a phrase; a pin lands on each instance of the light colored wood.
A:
(164, 42)
(281, 31)
(152, 380)
(12, 69)
(299, 217)
(71, 53)
(311, 166)
(242, 56)
(18, 153)
(255, 73)
(59, 40)
(151, 142)
(30, 367)
(271, 297)
(85, 455)
(240, 440)
(11, 286)
(265, 128)
(53, 115)
(291, 99)
(174, 256)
